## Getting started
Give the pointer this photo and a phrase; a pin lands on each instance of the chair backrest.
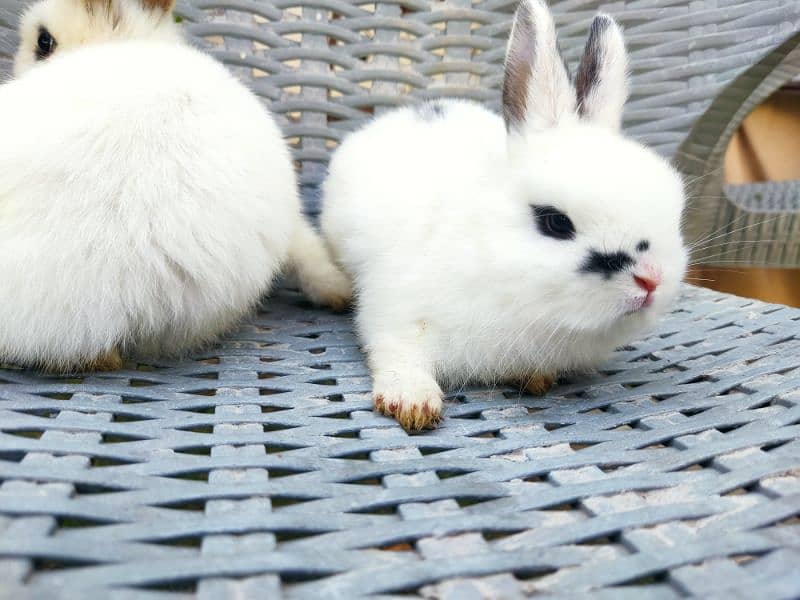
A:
(326, 66)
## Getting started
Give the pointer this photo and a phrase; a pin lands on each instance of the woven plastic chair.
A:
(257, 469)
(326, 66)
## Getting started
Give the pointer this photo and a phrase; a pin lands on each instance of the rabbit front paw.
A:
(413, 399)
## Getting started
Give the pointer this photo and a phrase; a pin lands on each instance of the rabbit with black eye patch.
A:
(147, 198)
(505, 249)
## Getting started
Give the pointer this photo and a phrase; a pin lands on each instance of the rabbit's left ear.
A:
(165, 6)
(602, 79)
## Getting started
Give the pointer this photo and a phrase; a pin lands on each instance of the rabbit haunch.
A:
(505, 249)
(147, 198)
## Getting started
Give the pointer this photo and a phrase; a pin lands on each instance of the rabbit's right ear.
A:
(537, 91)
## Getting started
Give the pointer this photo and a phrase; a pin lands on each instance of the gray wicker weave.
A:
(257, 469)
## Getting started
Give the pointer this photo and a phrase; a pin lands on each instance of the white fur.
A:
(432, 218)
(147, 201)
(605, 102)
(551, 99)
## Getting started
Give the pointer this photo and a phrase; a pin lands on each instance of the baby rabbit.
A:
(507, 249)
(147, 199)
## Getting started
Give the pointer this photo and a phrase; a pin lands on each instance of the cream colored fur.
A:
(147, 199)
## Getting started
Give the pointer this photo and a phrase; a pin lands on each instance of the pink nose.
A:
(647, 283)
(647, 276)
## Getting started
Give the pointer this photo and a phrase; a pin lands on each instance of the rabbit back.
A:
(146, 202)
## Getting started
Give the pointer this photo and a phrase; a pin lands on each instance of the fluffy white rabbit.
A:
(507, 249)
(147, 198)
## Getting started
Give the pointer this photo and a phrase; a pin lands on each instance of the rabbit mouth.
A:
(639, 303)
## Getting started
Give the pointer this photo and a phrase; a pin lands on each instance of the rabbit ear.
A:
(98, 6)
(537, 92)
(602, 79)
(159, 5)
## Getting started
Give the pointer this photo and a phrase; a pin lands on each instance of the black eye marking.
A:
(553, 223)
(606, 263)
(643, 246)
(45, 44)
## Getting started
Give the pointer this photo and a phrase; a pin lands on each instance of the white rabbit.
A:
(147, 199)
(505, 249)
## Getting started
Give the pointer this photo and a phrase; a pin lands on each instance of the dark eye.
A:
(45, 44)
(553, 223)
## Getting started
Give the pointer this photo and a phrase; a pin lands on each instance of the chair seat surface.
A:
(257, 469)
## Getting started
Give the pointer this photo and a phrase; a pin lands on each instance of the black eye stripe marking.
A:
(643, 246)
(553, 223)
(45, 44)
(606, 263)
